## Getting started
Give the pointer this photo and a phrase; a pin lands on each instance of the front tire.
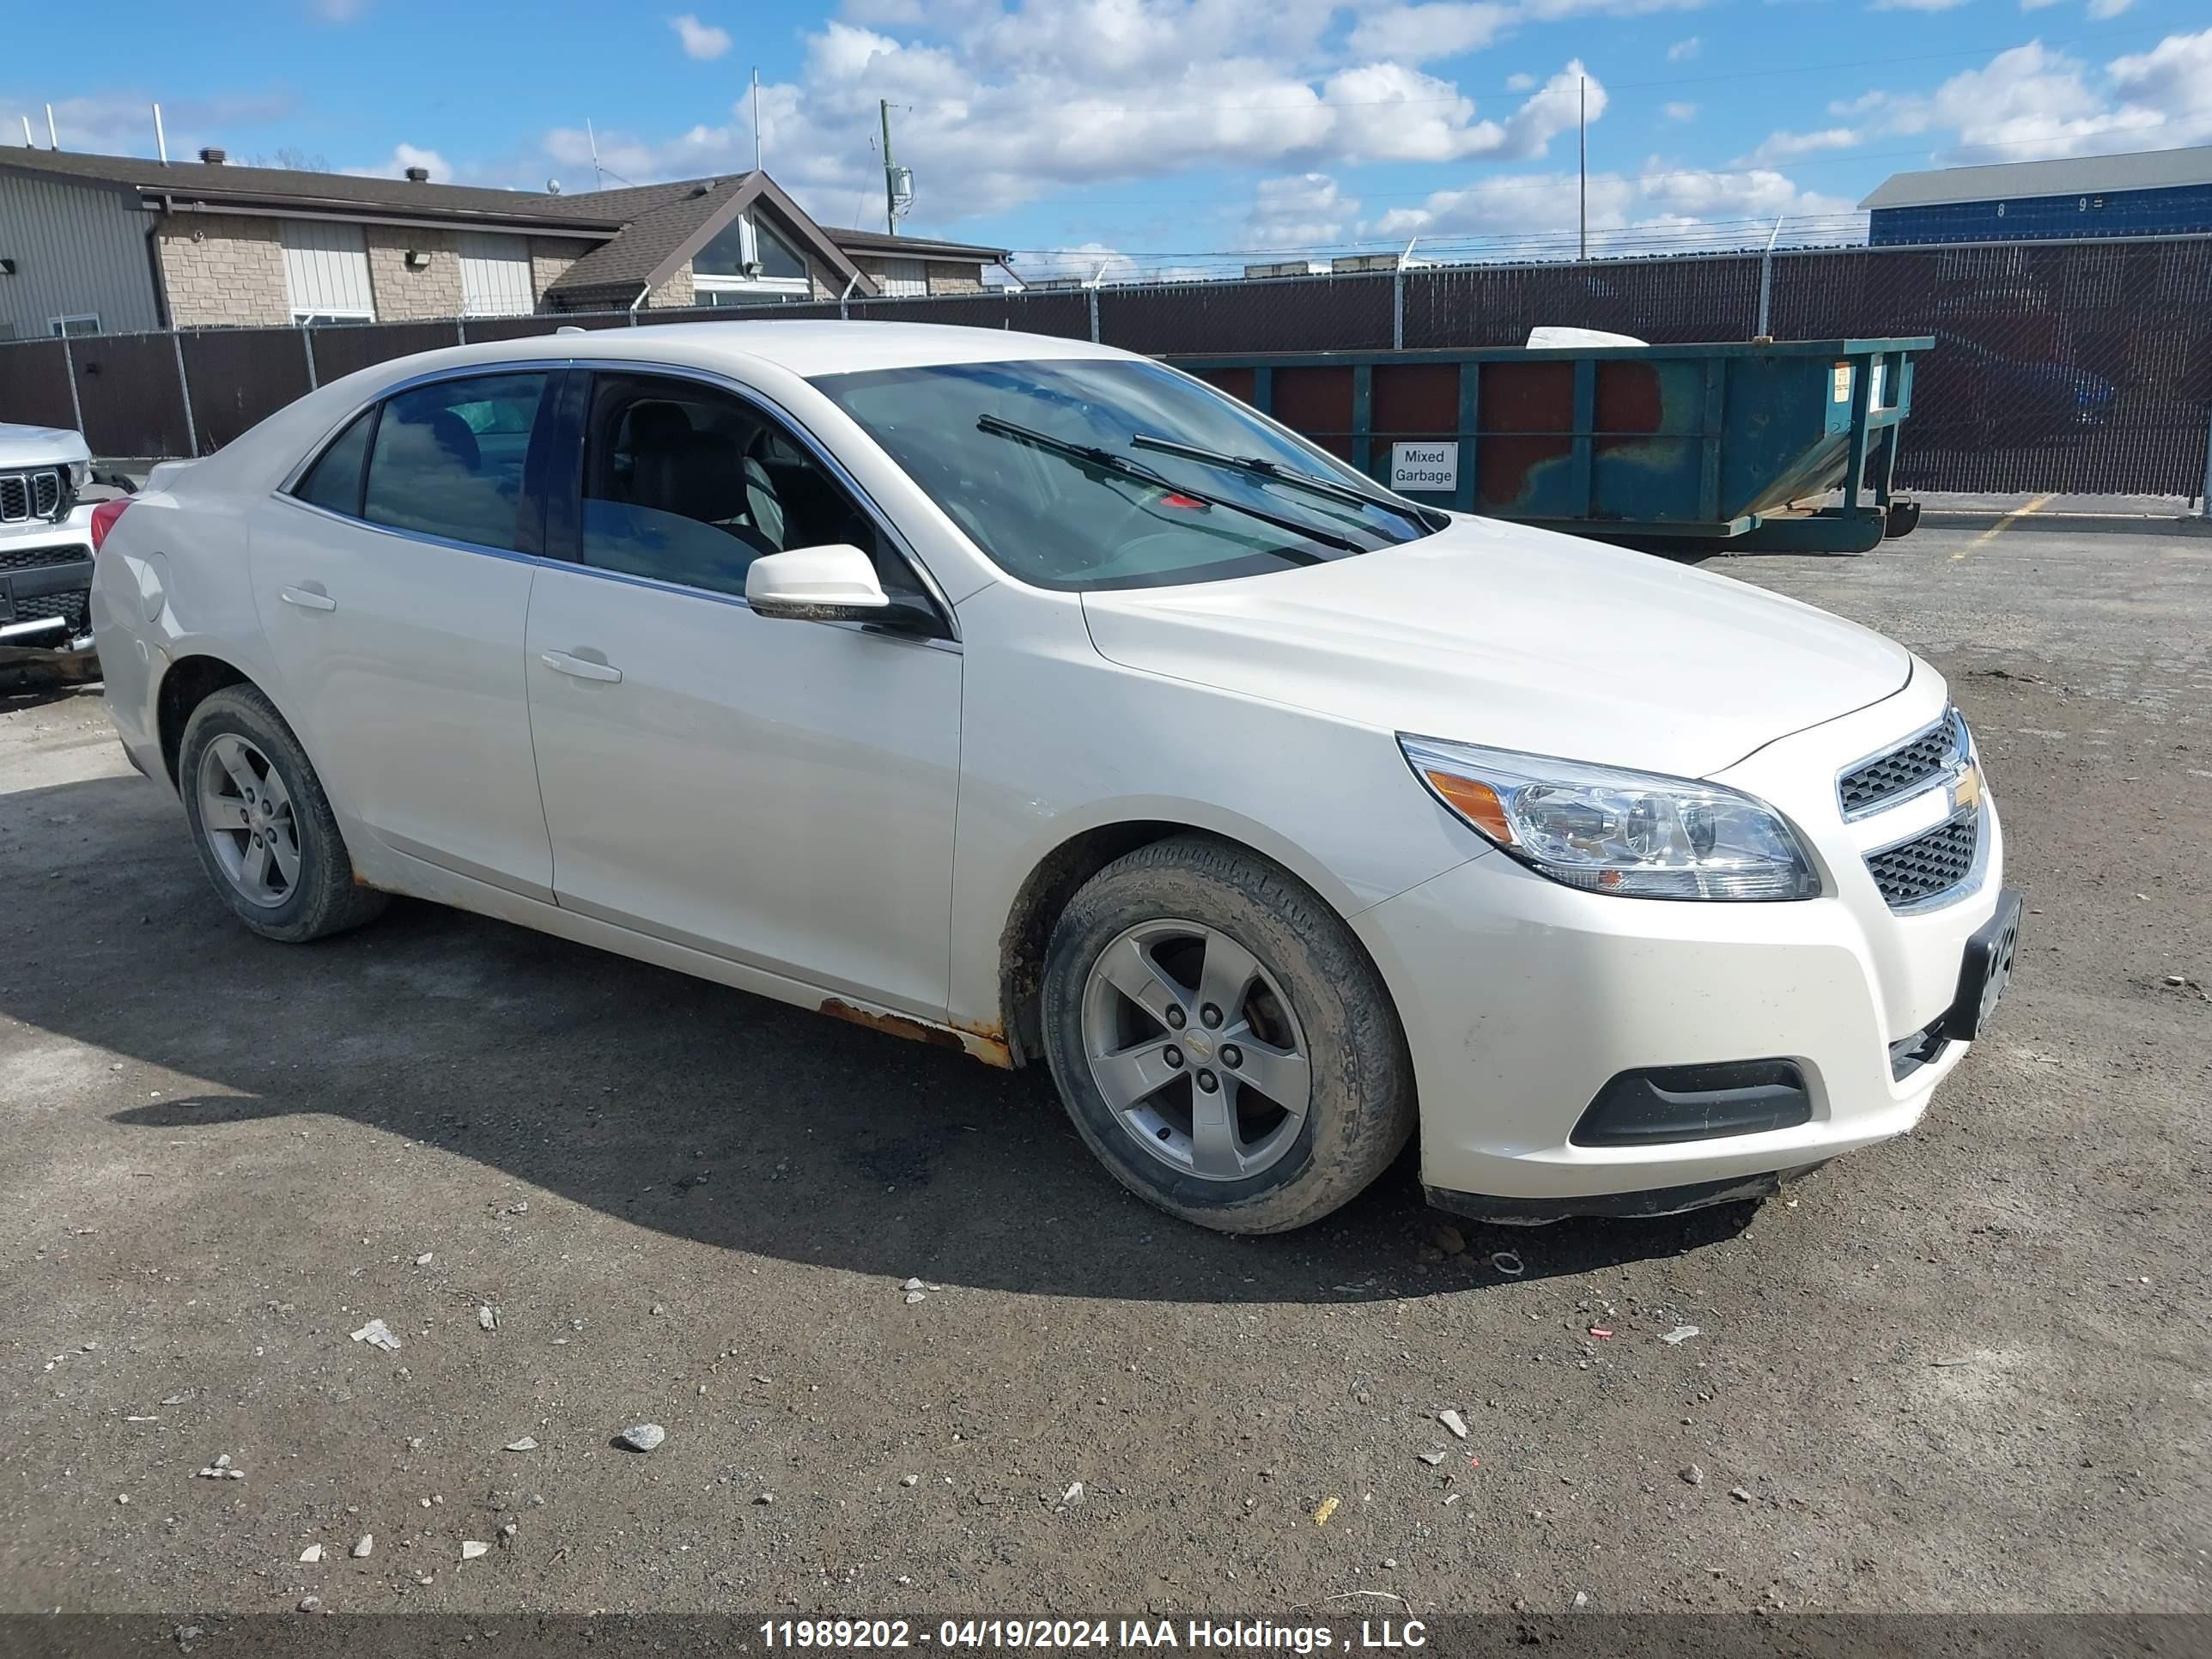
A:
(262, 826)
(1221, 1040)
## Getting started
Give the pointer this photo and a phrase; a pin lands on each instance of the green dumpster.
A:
(1730, 444)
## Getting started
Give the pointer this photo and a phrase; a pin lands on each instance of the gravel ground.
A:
(1966, 1370)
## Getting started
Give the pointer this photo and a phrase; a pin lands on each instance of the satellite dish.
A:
(552, 186)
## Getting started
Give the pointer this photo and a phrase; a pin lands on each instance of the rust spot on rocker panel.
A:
(986, 1045)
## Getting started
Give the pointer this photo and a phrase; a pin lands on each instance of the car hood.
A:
(1522, 639)
(40, 445)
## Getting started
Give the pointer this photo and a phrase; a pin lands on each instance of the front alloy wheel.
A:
(1195, 1047)
(1221, 1040)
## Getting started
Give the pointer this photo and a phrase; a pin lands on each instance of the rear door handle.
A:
(307, 598)
(561, 663)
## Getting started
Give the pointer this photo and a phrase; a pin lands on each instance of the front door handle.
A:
(307, 598)
(561, 663)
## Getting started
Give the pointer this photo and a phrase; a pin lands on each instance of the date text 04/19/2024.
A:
(1246, 1635)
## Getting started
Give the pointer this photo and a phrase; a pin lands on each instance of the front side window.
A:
(1093, 473)
(685, 484)
(448, 458)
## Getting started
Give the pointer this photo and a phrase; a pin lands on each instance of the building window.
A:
(903, 279)
(750, 259)
(326, 271)
(70, 328)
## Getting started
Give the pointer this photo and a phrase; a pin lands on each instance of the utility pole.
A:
(1582, 202)
(890, 194)
(756, 146)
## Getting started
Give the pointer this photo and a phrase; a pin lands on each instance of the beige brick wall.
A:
(677, 290)
(403, 295)
(220, 269)
(549, 259)
(949, 278)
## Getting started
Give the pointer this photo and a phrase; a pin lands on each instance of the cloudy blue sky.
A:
(1152, 133)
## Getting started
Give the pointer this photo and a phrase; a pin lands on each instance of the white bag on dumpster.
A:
(1540, 337)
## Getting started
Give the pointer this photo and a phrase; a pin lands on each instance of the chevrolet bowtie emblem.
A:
(1966, 789)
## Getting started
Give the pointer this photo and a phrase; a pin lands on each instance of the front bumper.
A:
(45, 585)
(1522, 1000)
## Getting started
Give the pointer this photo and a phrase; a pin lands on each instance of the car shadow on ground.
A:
(679, 1105)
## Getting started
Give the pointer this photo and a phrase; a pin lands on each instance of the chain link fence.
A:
(2081, 367)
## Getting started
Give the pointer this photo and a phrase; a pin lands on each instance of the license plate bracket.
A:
(1986, 970)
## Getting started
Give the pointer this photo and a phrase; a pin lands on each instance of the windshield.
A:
(1042, 464)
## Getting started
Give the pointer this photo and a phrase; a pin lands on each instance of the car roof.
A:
(810, 347)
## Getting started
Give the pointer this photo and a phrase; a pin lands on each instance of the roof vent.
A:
(214, 157)
(418, 175)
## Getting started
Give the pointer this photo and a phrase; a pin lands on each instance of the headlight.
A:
(1600, 828)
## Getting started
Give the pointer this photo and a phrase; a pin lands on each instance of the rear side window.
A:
(333, 483)
(448, 458)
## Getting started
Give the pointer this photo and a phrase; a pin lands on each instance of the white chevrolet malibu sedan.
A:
(1034, 699)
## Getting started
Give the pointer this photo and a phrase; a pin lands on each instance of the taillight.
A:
(103, 519)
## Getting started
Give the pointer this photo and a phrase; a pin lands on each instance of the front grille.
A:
(1911, 766)
(27, 495)
(1928, 864)
(72, 608)
(39, 558)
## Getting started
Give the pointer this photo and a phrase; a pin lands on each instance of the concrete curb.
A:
(2121, 523)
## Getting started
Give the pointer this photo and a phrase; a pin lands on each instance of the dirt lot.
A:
(1969, 1370)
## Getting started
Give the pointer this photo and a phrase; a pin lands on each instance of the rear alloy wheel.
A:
(263, 828)
(1221, 1040)
(245, 817)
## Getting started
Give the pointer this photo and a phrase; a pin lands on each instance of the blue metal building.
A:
(2157, 192)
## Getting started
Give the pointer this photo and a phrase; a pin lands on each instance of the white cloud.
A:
(1662, 203)
(2032, 102)
(996, 107)
(2100, 9)
(1679, 112)
(1418, 33)
(702, 41)
(122, 123)
(1301, 210)
(1918, 5)
(1519, 82)
(402, 157)
(1790, 146)
(2036, 5)
(1683, 51)
(339, 11)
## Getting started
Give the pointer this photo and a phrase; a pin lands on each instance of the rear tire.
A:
(1221, 1040)
(262, 824)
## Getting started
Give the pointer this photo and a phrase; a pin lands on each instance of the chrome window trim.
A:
(1962, 751)
(813, 445)
(1958, 892)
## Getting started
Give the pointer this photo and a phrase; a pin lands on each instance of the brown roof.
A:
(914, 247)
(286, 186)
(654, 228)
(664, 236)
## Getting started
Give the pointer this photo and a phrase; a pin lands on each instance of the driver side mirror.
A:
(836, 582)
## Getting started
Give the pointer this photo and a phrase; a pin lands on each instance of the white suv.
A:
(45, 556)
(1029, 697)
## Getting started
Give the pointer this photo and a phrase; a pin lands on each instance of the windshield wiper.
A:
(1105, 460)
(1289, 476)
